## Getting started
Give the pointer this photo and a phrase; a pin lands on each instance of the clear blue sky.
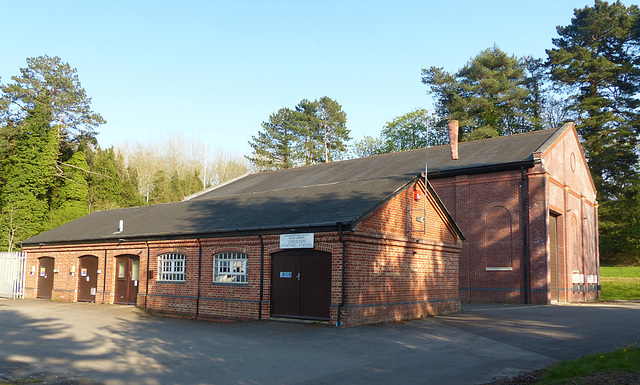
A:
(214, 70)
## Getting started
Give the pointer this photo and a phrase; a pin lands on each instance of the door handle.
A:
(298, 276)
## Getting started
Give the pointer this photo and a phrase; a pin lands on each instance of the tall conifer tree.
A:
(29, 175)
(486, 95)
(597, 61)
(274, 148)
(41, 111)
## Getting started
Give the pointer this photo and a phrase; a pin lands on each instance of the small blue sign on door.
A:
(285, 274)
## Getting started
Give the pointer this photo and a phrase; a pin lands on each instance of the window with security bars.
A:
(230, 267)
(171, 267)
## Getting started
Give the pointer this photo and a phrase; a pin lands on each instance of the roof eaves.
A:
(219, 233)
(484, 169)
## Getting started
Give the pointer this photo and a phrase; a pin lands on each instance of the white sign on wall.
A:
(296, 241)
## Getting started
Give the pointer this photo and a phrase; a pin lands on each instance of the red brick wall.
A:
(572, 196)
(489, 210)
(394, 274)
(391, 274)
(65, 286)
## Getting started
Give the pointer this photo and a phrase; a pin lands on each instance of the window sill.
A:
(230, 284)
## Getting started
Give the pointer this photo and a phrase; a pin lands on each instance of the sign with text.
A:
(296, 241)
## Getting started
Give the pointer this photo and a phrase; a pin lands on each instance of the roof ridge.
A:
(300, 187)
(212, 188)
(503, 137)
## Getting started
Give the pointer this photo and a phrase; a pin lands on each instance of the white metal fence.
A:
(13, 271)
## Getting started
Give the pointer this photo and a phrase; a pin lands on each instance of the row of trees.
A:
(173, 167)
(312, 132)
(53, 171)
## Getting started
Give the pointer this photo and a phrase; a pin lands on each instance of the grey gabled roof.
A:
(478, 156)
(306, 207)
(312, 197)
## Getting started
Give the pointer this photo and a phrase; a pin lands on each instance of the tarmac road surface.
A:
(83, 343)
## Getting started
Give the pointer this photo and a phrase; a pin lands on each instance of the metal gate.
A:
(13, 271)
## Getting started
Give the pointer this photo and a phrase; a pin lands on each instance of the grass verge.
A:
(620, 283)
(624, 362)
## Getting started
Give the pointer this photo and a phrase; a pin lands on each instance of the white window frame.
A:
(230, 267)
(172, 267)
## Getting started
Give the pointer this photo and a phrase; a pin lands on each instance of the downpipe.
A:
(344, 276)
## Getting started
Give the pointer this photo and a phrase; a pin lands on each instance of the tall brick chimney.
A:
(453, 138)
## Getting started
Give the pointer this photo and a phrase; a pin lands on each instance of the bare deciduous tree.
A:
(182, 157)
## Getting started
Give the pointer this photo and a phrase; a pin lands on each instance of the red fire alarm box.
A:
(417, 195)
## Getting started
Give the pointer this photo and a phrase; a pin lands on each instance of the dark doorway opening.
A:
(88, 279)
(127, 277)
(553, 257)
(45, 277)
(301, 284)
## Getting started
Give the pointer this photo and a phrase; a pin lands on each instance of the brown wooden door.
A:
(127, 276)
(88, 279)
(45, 277)
(285, 286)
(315, 286)
(301, 284)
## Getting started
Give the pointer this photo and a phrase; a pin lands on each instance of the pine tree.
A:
(309, 148)
(274, 147)
(485, 96)
(48, 81)
(332, 127)
(314, 132)
(597, 61)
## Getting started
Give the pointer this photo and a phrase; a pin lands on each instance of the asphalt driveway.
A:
(121, 345)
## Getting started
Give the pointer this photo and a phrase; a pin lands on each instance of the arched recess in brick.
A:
(497, 240)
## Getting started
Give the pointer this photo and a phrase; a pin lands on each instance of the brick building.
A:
(346, 242)
(352, 242)
(527, 205)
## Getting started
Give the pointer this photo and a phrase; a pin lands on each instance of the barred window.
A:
(230, 267)
(171, 267)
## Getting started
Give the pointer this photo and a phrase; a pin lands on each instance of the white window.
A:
(230, 267)
(171, 267)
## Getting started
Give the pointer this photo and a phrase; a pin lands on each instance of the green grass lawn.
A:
(597, 368)
(620, 283)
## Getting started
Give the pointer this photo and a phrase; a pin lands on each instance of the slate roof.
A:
(306, 207)
(486, 155)
(313, 197)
